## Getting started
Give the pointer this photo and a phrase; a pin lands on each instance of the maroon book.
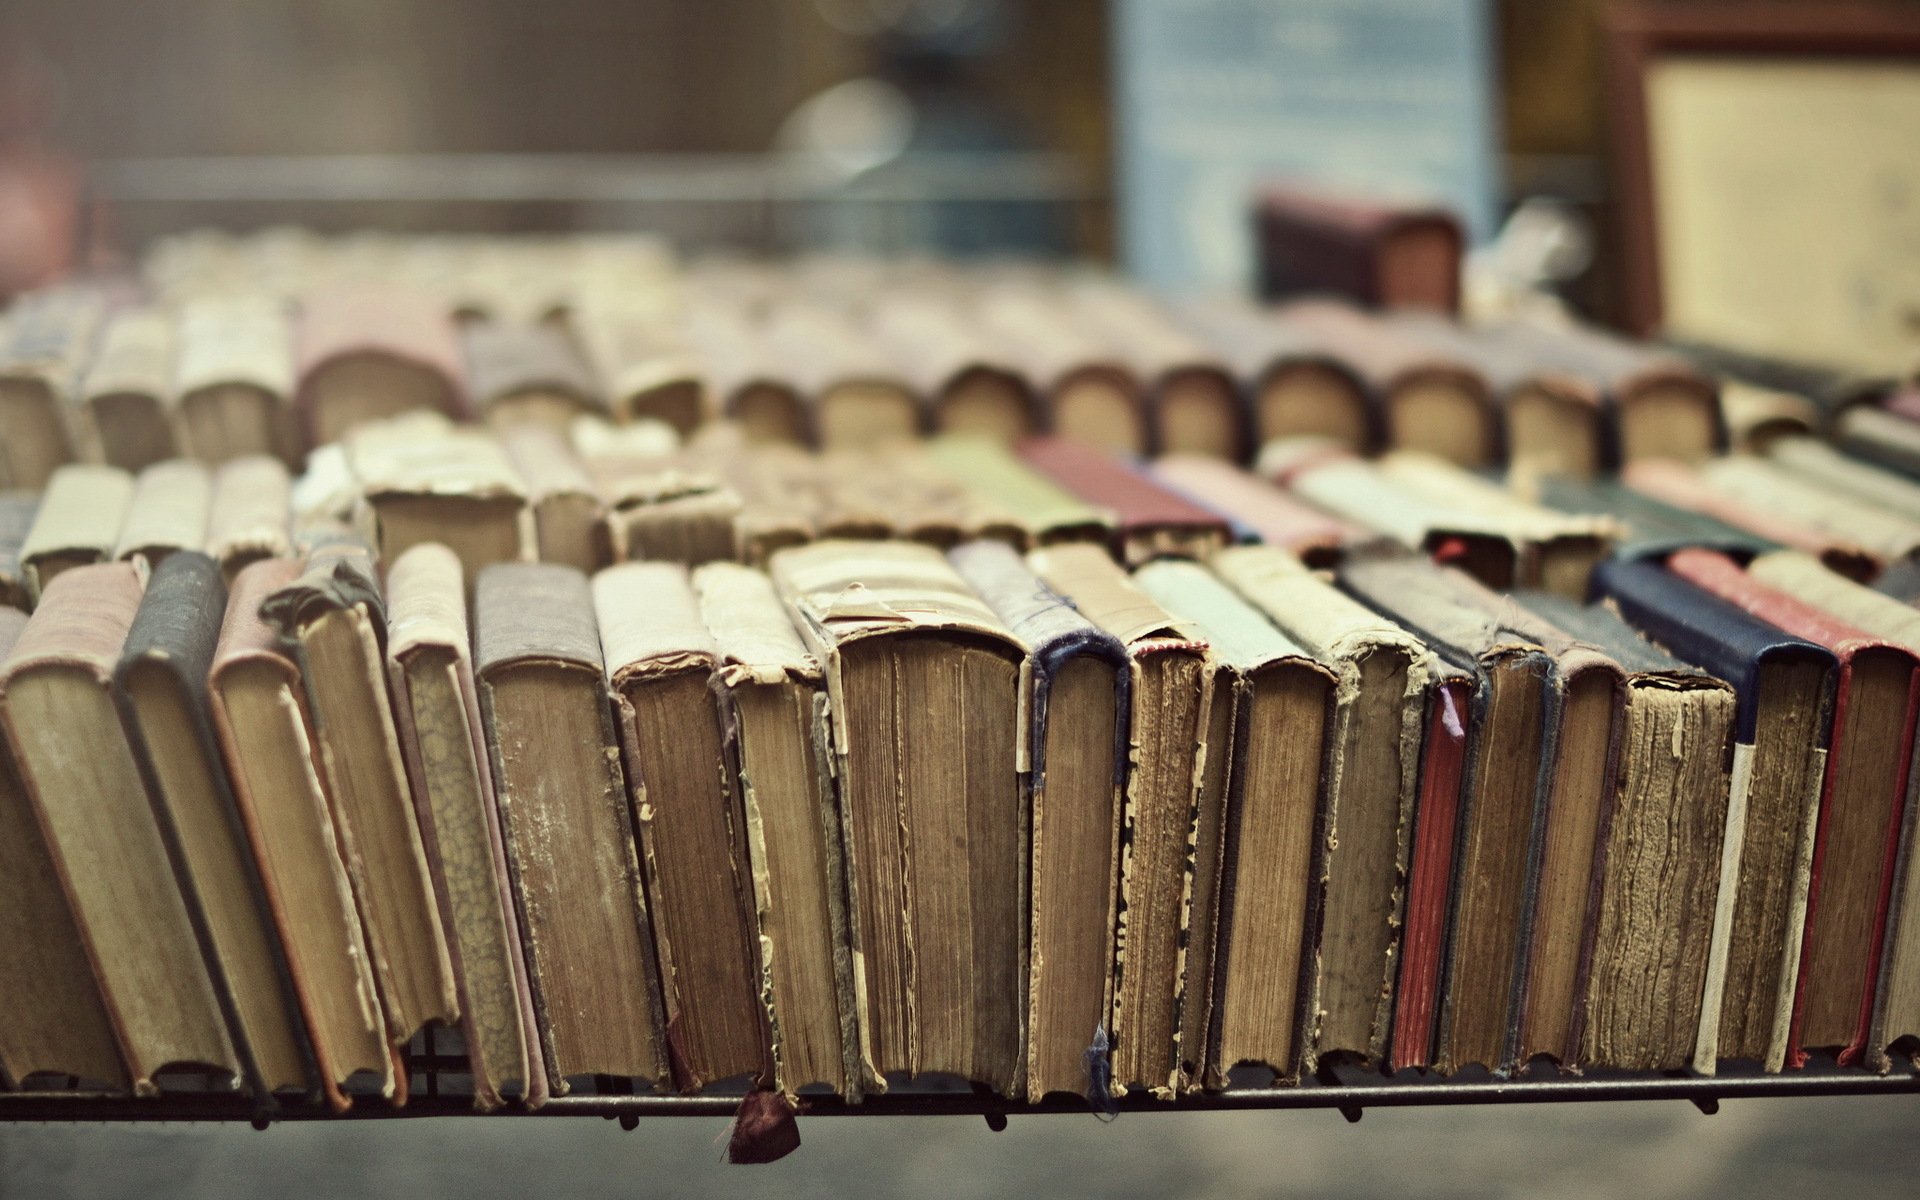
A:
(1383, 255)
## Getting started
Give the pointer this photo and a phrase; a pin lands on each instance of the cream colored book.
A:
(250, 516)
(458, 489)
(569, 521)
(49, 339)
(169, 509)
(78, 522)
(125, 416)
(233, 376)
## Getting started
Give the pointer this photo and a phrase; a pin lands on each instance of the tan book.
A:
(1816, 461)
(568, 825)
(171, 502)
(125, 418)
(1264, 822)
(1088, 395)
(1373, 782)
(777, 730)
(569, 523)
(65, 736)
(1759, 485)
(250, 513)
(334, 617)
(17, 510)
(436, 708)
(528, 372)
(857, 394)
(1016, 495)
(78, 522)
(971, 389)
(57, 1023)
(924, 684)
(1297, 389)
(744, 381)
(265, 731)
(692, 828)
(366, 353)
(1171, 679)
(1680, 485)
(780, 491)
(642, 363)
(458, 489)
(673, 510)
(233, 374)
(1758, 417)
(49, 338)
(1192, 395)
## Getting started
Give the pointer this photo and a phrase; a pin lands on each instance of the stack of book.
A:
(625, 746)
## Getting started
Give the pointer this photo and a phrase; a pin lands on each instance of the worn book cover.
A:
(362, 354)
(78, 522)
(1149, 520)
(126, 402)
(1297, 388)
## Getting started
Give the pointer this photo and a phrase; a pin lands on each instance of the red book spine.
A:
(1430, 879)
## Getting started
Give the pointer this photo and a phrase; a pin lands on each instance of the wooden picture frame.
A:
(1639, 37)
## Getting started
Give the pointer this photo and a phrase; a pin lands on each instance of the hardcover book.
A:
(250, 513)
(77, 523)
(1149, 520)
(126, 398)
(363, 354)
(1297, 389)
(233, 373)
(168, 511)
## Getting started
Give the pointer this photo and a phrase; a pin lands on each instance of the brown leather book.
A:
(265, 732)
(1259, 511)
(78, 522)
(234, 375)
(436, 709)
(49, 338)
(160, 687)
(1149, 520)
(856, 393)
(56, 703)
(1430, 399)
(335, 619)
(1088, 395)
(458, 488)
(569, 524)
(57, 1024)
(925, 737)
(641, 362)
(660, 664)
(125, 416)
(1380, 255)
(528, 372)
(774, 715)
(364, 354)
(1295, 388)
(250, 512)
(17, 510)
(169, 509)
(1174, 724)
(568, 825)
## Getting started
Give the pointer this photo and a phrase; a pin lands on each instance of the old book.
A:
(364, 354)
(458, 488)
(744, 378)
(569, 526)
(1816, 461)
(642, 364)
(1514, 719)
(334, 617)
(88, 800)
(171, 502)
(1760, 485)
(1643, 526)
(1380, 255)
(436, 710)
(1639, 809)
(774, 713)
(1192, 397)
(1681, 486)
(1429, 400)
(1263, 814)
(524, 372)
(1079, 706)
(1850, 880)
(1171, 681)
(126, 399)
(249, 515)
(1088, 396)
(57, 1023)
(1296, 389)
(856, 394)
(568, 826)
(1258, 511)
(78, 522)
(1373, 781)
(233, 372)
(925, 685)
(1784, 685)
(160, 687)
(972, 390)
(17, 511)
(1559, 421)
(1757, 417)
(693, 839)
(1041, 509)
(265, 732)
(674, 510)
(1149, 520)
(1886, 438)
(49, 338)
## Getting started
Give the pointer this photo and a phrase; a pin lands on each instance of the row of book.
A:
(279, 343)
(1065, 773)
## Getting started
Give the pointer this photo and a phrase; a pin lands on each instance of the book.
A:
(57, 1022)
(78, 522)
(925, 679)
(692, 828)
(49, 338)
(972, 390)
(1193, 399)
(17, 511)
(1149, 520)
(569, 526)
(160, 689)
(457, 488)
(333, 615)
(1681, 486)
(1758, 484)
(362, 354)
(233, 373)
(249, 514)
(168, 511)
(1784, 685)
(1075, 751)
(743, 378)
(437, 713)
(1171, 684)
(1758, 417)
(1850, 877)
(856, 395)
(1267, 823)
(1886, 438)
(643, 366)
(1042, 510)
(675, 510)
(1639, 809)
(55, 687)
(568, 825)
(1643, 526)
(1514, 720)
(126, 398)
(528, 372)
(1379, 255)
(1372, 781)
(774, 715)
(1258, 511)
(1296, 389)
(1559, 421)
(1086, 394)
(1817, 462)
(264, 728)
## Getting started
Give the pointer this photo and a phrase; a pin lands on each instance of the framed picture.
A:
(1766, 163)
